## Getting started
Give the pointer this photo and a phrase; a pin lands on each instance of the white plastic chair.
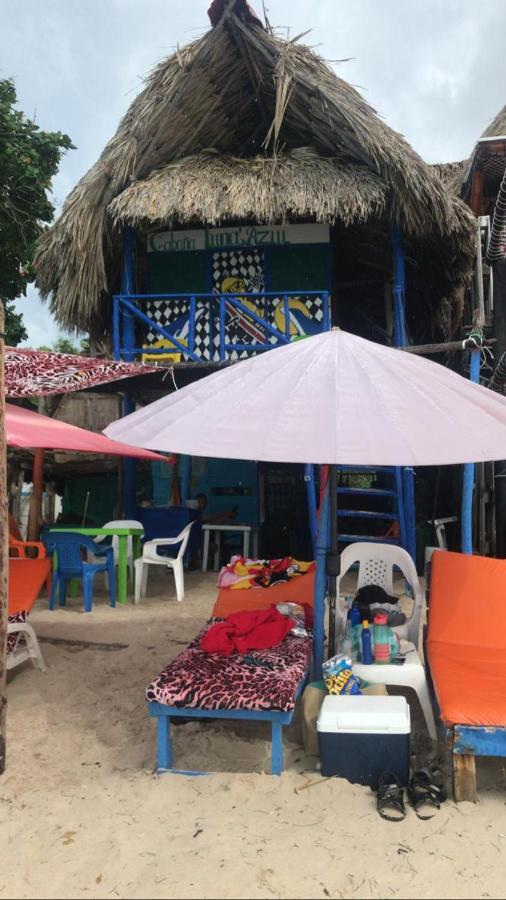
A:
(25, 647)
(376, 565)
(151, 557)
(121, 523)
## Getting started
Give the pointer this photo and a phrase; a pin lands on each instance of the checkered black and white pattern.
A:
(247, 265)
(169, 313)
(246, 268)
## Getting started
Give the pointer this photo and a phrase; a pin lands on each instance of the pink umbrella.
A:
(330, 399)
(25, 428)
(334, 398)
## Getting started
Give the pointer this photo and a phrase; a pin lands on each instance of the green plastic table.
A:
(123, 534)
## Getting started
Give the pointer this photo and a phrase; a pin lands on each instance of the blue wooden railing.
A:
(128, 309)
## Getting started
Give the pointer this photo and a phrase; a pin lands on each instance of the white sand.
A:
(82, 815)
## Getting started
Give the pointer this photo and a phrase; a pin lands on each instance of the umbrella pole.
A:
(4, 549)
(332, 562)
(319, 587)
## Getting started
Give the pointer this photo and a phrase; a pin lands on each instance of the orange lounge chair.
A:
(26, 578)
(466, 652)
(297, 590)
(17, 546)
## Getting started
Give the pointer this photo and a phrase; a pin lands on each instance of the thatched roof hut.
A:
(243, 126)
(457, 176)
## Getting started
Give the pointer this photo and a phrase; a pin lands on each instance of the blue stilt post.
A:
(128, 288)
(186, 471)
(128, 343)
(400, 340)
(277, 748)
(399, 289)
(320, 587)
(468, 477)
(164, 747)
(311, 505)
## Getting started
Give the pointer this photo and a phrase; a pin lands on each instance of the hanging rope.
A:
(497, 245)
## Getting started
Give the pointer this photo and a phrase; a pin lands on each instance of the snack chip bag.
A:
(338, 676)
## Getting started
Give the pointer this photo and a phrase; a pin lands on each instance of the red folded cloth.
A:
(257, 629)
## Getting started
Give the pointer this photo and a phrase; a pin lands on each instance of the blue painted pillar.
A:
(468, 477)
(186, 473)
(128, 344)
(320, 587)
(399, 288)
(127, 288)
(400, 339)
(311, 505)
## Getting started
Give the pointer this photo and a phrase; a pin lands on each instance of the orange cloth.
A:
(297, 590)
(466, 644)
(26, 578)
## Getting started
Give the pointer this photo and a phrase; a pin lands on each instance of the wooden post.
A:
(4, 550)
(36, 499)
(476, 198)
(464, 778)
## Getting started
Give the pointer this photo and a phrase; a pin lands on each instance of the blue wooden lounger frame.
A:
(464, 743)
(278, 719)
(164, 714)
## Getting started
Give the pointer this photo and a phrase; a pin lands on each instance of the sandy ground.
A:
(83, 816)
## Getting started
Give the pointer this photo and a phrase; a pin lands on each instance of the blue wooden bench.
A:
(163, 715)
(261, 687)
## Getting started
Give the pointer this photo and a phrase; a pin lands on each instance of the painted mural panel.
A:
(187, 262)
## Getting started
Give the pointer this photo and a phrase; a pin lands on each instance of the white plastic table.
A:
(245, 530)
(410, 674)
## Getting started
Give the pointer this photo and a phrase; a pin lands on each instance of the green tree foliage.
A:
(15, 331)
(29, 158)
(66, 345)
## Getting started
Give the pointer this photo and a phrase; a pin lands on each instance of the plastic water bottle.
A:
(356, 634)
(366, 644)
(381, 633)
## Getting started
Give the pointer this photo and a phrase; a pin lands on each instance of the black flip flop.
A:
(390, 795)
(425, 789)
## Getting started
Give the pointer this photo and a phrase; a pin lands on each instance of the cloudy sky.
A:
(434, 69)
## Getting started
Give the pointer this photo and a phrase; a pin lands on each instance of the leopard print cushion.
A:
(12, 639)
(259, 680)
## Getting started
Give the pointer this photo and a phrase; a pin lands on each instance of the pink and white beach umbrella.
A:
(330, 399)
(25, 428)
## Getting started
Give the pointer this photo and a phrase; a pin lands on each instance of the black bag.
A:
(368, 595)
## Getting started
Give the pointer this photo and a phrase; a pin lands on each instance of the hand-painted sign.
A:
(237, 236)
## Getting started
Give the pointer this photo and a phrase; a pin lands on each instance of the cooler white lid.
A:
(366, 714)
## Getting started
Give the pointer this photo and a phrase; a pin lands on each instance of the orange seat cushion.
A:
(26, 578)
(466, 644)
(298, 590)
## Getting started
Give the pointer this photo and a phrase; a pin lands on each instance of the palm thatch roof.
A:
(242, 125)
(451, 174)
(497, 127)
(457, 175)
(211, 187)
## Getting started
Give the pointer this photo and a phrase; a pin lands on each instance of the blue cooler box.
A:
(362, 736)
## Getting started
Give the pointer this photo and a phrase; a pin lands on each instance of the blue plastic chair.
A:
(67, 547)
